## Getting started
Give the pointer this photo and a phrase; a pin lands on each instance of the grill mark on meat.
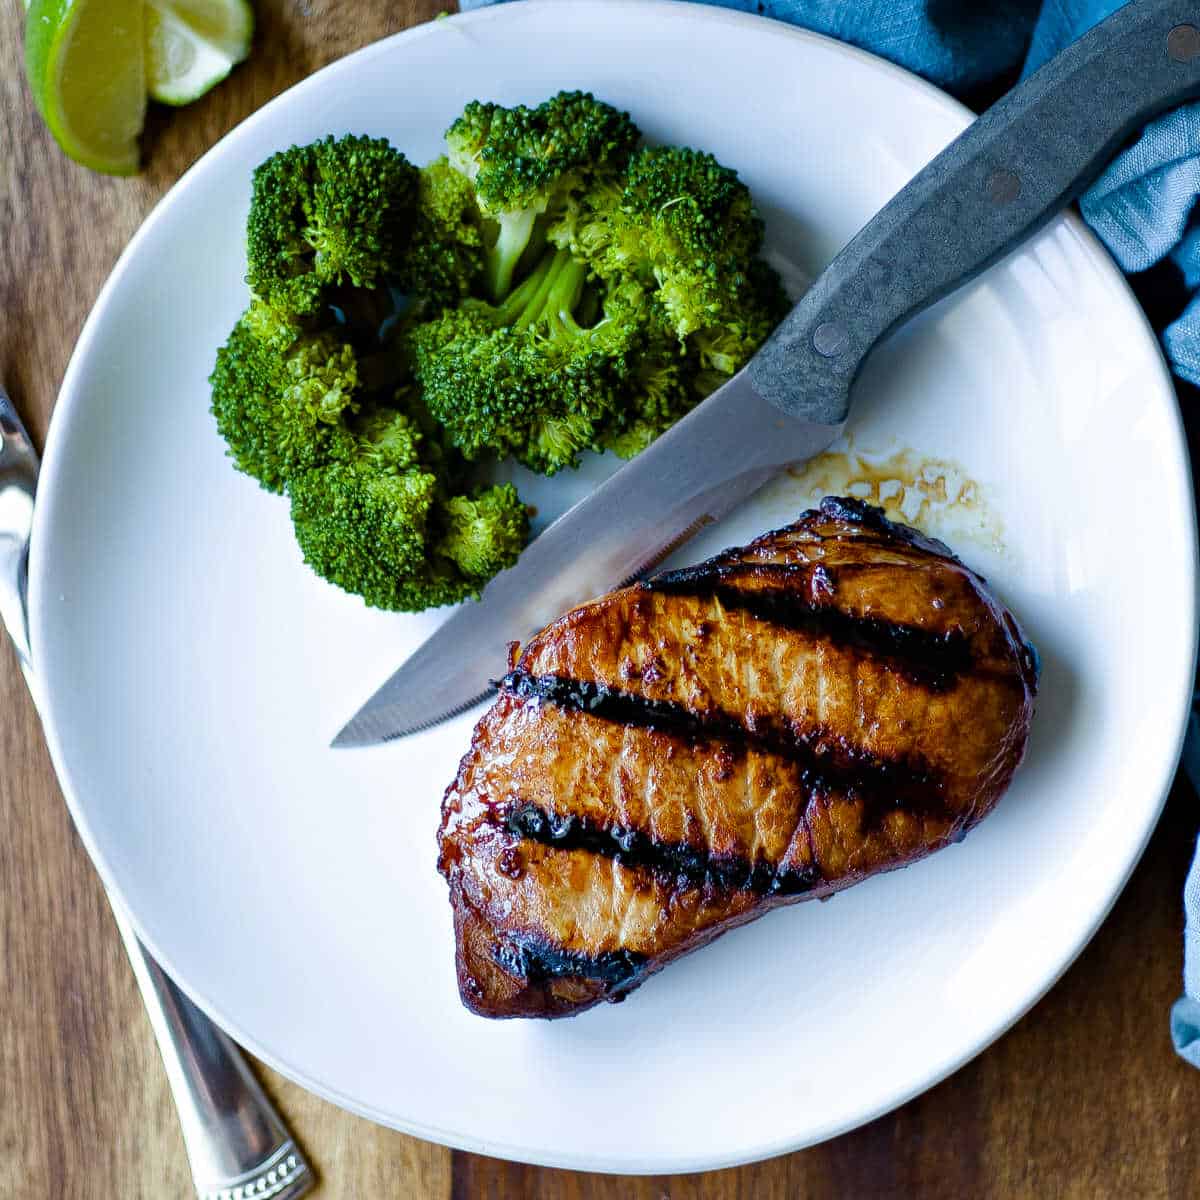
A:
(882, 785)
(674, 863)
(935, 660)
(537, 960)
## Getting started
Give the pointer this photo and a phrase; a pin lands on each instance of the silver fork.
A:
(237, 1144)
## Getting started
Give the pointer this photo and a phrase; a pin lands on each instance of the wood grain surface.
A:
(1083, 1098)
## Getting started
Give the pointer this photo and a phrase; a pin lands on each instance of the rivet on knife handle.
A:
(1019, 165)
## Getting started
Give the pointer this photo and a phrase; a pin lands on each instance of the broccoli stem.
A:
(554, 290)
(532, 312)
(547, 296)
(567, 280)
(522, 297)
(516, 228)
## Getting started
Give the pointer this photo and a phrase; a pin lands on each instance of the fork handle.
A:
(236, 1143)
(1021, 163)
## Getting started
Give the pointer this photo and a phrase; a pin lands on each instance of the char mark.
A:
(823, 764)
(926, 658)
(538, 961)
(672, 863)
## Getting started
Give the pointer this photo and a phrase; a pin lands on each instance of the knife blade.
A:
(699, 470)
(1021, 163)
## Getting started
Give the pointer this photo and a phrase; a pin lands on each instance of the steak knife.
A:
(1017, 166)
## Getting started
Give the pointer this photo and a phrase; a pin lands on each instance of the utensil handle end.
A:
(236, 1141)
(284, 1175)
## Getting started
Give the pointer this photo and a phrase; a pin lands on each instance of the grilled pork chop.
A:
(839, 698)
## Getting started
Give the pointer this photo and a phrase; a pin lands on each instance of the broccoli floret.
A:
(661, 384)
(662, 390)
(526, 162)
(698, 205)
(380, 524)
(685, 228)
(524, 377)
(444, 259)
(583, 223)
(361, 528)
(272, 326)
(719, 351)
(483, 533)
(682, 223)
(336, 211)
(390, 440)
(282, 410)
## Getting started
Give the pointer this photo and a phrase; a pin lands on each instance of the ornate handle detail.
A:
(283, 1176)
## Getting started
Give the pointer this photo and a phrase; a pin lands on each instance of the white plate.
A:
(196, 670)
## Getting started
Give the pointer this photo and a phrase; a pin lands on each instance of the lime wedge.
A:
(191, 45)
(86, 69)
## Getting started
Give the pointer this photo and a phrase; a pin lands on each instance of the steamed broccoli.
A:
(444, 260)
(382, 524)
(272, 326)
(336, 211)
(281, 408)
(363, 529)
(483, 533)
(379, 505)
(686, 228)
(526, 162)
(545, 288)
(683, 224)
(721, 349)
(524, 377)
(661, 390)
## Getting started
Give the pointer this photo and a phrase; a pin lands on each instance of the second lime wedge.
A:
(86, 66)
(191, 45)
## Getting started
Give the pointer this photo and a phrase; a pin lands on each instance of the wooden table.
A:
(1084, 1098)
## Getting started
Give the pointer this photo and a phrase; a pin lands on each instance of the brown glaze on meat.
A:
(839, 698)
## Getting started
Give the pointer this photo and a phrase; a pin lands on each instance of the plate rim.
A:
(50, 481)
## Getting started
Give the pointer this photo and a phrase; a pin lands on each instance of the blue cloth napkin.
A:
(1143, 208)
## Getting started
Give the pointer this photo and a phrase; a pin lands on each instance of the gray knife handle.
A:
(1016, 167)
(236, 1143)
